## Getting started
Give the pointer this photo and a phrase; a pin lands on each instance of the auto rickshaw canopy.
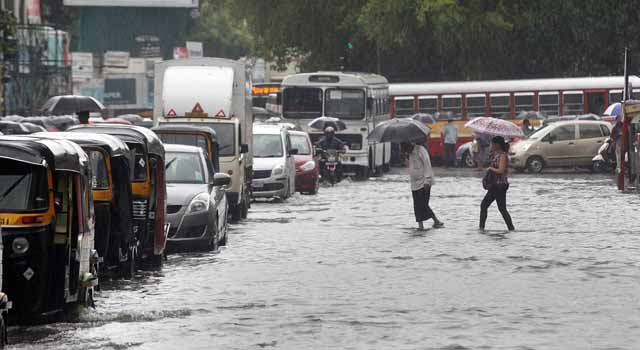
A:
(127, 133)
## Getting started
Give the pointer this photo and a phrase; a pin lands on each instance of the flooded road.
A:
(347, 270)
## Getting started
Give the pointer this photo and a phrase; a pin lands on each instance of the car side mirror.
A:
(293, 151)
(244, 148)
(221, 179)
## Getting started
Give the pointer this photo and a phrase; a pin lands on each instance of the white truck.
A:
(212, 92)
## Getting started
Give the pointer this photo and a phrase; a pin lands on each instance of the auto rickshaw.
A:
(148, 187)
(112, 171)
(47, 219)
(191, 135)
(5, 305)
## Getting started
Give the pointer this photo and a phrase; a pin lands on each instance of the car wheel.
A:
(535, 164)
(316, 186)
(213, 240)
(467, 160)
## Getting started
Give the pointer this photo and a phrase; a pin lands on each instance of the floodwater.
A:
(347, 270)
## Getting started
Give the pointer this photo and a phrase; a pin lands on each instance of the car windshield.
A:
(302, 103)
(301, 143)
(22, 187)
(538, 134)
(184, 168)
(344, 103)
(267, 146)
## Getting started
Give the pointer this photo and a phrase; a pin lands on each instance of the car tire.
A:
(213, 241)
(467, 160)
(316, 186)
(535, 164)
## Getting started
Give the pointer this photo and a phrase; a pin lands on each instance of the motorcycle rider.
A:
(329, 142)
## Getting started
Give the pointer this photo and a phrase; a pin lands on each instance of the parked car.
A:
(307, 169)
(274, 171)
(196, 199)
(560, 144)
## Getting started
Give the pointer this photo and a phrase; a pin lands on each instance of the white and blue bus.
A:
(361, 100)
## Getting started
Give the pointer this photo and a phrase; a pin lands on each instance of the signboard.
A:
(148, 46)
(120, 91)
(180, 52)
(194, 49)
(32, 11)
(81, 66)
(119, 59)
(134, 3)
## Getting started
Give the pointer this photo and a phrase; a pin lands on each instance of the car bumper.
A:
(270, 187)
(306, 181)
(187, 227)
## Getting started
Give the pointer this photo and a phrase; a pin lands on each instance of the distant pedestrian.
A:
(496, 183)
(83, 117)
(483, 148)
(616, 139)
(421, 177)
(450, 138)
(527, 128)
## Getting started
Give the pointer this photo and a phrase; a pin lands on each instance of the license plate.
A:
(258, 185)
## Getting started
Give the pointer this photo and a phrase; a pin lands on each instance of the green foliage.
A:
(223, 33)
(449, 39)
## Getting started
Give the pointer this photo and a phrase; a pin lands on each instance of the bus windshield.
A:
(302, 103)
(22, 187)
(345, 103)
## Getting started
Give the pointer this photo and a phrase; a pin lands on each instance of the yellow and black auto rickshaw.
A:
(148, 187)
(47, 219)
(112, 172)
(191, 135)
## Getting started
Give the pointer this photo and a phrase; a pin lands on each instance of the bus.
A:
(261, 92)
(361, 100)
(504, 99)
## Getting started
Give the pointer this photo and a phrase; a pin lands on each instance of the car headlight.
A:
(20, 245)
(308, 166)
(278, 170)
(199, 203)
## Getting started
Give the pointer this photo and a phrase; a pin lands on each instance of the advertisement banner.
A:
(180, 52)
(120, 91)
(134, 3)
(119, 59)
(32, 11)
(81, 66)
(148, 46)
(194, 49)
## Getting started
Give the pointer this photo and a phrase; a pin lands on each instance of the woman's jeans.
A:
(496, 193)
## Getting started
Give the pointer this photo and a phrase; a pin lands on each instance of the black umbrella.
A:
(530, 115)
(400, 131)
(70, 104)
(424, 118)
(132, 118)
(325, 122)
(12, 128)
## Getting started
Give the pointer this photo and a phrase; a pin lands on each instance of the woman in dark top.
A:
(497, 189)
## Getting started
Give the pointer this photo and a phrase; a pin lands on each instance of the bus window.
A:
(572, 102)
(524, 101)
(615, 96)
(501, 106)
(476, 105)
(404, 106)
(548, 103)
(301, 102)
(452, 104)
(345, 103)
(428, 104)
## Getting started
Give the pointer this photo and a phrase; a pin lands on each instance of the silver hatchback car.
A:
(196, 199)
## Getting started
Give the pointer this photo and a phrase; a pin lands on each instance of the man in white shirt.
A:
(450, 138)
(421, 178)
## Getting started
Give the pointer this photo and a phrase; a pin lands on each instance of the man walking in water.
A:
(421, 177)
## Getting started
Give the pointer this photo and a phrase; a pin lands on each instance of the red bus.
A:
(503, 99)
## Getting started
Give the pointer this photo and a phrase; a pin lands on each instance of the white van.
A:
(274, 169)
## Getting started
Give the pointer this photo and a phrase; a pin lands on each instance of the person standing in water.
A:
(497, 183)
(421, 177)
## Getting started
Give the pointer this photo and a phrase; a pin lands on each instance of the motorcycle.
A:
(605, 160)
(331, 166)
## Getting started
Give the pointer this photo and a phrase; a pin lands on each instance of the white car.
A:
(274, 169)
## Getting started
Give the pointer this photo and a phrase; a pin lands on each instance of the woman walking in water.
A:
(496, 182)
(421, 177)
